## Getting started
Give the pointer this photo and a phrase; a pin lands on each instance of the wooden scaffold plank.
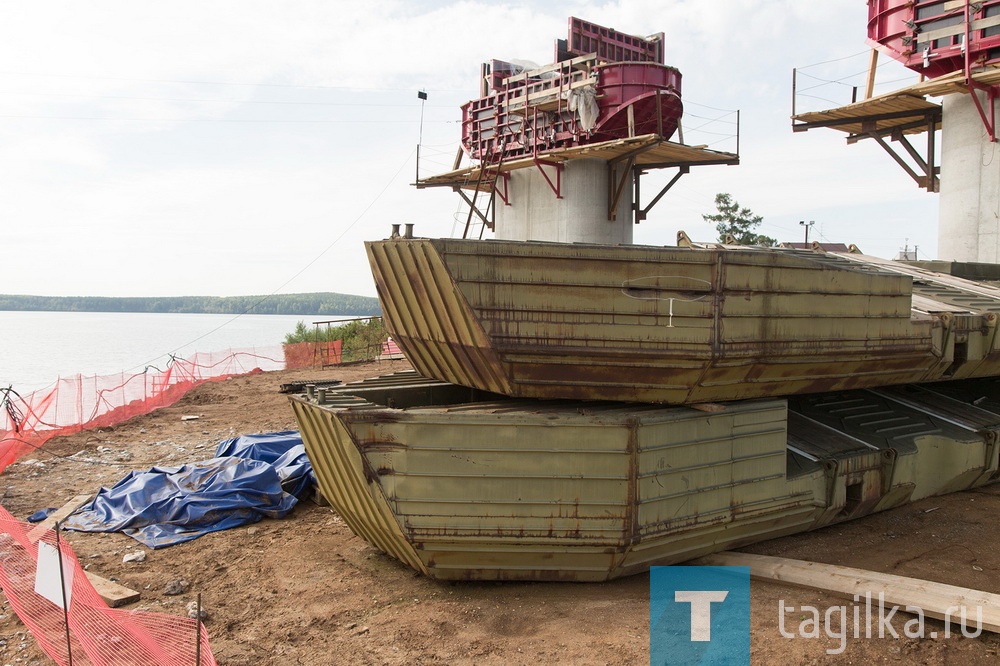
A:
(936, 600)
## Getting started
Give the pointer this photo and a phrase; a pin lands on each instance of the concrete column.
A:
(969, 225)
(581, 216)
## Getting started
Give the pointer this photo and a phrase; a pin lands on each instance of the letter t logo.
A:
(701, 610)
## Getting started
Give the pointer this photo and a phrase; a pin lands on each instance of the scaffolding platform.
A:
(649, 151)
(900, 111)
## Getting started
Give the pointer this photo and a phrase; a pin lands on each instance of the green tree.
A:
(731, 220)
(362, 338)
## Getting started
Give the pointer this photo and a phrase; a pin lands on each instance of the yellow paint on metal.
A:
(459, 487)
(675, 325)
(526, 490)
(341, 474)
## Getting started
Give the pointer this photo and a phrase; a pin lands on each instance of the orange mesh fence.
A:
(97, 634)
(100, 635)
(313, 354)
(77, 403)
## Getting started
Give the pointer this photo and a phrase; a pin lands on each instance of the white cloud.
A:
(218, 147)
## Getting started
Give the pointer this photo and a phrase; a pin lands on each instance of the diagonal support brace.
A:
(556, 187)
(640, 211)
(986, 111)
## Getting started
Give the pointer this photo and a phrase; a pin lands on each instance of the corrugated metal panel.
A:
(685, 545)
(549, 320)
(340, 472)
(419, 303)
(735, 460)
(473, 474)
(555, 490)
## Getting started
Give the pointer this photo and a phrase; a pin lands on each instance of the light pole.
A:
(806, 225)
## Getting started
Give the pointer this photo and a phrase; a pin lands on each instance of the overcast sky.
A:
(250, 147)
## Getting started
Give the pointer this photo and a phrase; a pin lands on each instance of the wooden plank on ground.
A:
(61, 514)
(114, 595)
(937, 600)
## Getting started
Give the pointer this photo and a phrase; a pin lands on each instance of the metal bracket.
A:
(991, 98)
(927, 173)
(558, 167)
(929, 177)
(640, 212)
(616, 185)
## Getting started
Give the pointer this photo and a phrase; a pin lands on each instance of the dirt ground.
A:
(306, 591)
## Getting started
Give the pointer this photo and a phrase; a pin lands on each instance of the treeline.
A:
(322, 303)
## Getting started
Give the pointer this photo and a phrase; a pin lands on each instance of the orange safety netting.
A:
(311, 354)
(77, 403)
(98, 634)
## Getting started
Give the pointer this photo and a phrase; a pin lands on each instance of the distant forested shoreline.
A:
(320, 303)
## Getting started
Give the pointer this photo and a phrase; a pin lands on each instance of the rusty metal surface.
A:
(348, 484)
(460, 487)
(675, 325)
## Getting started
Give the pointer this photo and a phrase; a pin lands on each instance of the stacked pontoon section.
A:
(459, 484)
(675, 324)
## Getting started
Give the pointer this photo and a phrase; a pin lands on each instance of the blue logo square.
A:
(699, 615)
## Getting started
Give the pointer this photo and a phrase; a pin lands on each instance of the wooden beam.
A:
(919, 113)
(575, 63)
(872, 66)
(936, 600)
(60, 515)
(114, 595)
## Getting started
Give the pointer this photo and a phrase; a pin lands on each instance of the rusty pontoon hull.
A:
(461, 484)
(674, 324)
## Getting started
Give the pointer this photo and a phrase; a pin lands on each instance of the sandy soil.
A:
(304, 590)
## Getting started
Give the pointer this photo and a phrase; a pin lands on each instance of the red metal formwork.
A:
(930, 36)
(584, 97)
(586, 37)
(653, 91)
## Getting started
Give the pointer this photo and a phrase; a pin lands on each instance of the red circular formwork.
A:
(638, 85)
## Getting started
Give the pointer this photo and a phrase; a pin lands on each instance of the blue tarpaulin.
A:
(284, 450)
(251, 477)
